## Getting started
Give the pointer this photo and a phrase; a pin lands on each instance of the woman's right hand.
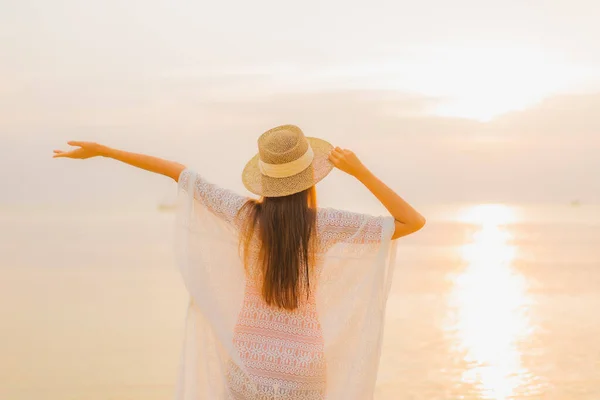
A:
(406, 219)
(345, 160)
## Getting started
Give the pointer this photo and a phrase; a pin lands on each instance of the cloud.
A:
(545, 154)
(560, 117)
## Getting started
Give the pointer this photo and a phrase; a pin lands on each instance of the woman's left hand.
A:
(85, 150)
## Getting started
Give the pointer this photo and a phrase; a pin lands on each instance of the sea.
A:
(489, 301)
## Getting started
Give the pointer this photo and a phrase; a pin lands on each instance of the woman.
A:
(287, 300)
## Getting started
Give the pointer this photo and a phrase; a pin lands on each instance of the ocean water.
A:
(488, 302)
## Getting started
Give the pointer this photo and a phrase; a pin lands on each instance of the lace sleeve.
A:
(220, 201)
(337, 226)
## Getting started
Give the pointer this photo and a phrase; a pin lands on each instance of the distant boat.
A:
(575, 203)
(168, 202)
(167, 206)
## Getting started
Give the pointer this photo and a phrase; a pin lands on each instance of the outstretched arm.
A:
(407, 219)
(157, 165)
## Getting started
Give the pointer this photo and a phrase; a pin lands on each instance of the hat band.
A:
(287, 169)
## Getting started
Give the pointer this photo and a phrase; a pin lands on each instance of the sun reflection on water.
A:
(490, 303)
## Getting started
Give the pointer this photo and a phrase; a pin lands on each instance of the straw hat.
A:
(287, 162)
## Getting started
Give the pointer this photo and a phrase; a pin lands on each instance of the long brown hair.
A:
(286, 229)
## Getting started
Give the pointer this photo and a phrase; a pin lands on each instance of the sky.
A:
(469, 100)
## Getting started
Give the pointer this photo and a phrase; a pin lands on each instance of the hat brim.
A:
(266, 186)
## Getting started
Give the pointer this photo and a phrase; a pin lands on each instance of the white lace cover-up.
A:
(238, 347)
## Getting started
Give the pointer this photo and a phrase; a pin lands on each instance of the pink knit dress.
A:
(282, 351)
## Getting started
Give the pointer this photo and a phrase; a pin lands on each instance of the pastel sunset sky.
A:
(469, 100)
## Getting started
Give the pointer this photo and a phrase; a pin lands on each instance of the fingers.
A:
(335, 152)
(336, 156)
(333, 157)
(341, 151)
(60, 153)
